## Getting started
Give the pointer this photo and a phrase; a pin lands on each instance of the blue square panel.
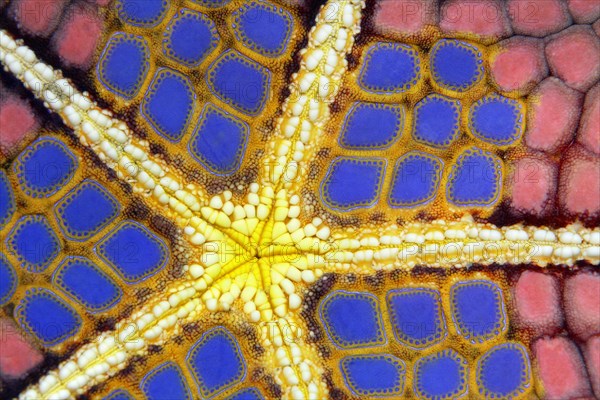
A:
(263, 27)
(416, 316)
(169, 103)
(145, 13)
(8, 280)
(416, 179)
(85, 210)
(456, 65)
(165, 382)
(44, 167)
(7, 200)
(377, 375)
(390, 68)
(33, 242)
(133, 251)
(190, 37)
(247, 394)
(504, 372)
(83, 281)
(497, 120)
(219, 141)
(352, 319)
(124, 64)
(47, 317)
(372, 126)
(352, 182)
(216, 362)
(478, 310)
(240, 82)
(475, 179)
(436, 121)
(441, 376)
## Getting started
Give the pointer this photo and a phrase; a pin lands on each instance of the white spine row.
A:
(459, 244)
(314, 88)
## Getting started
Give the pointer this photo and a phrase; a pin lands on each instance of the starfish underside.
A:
(254, 252)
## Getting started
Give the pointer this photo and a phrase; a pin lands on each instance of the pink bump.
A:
(404, 16)
(580, 183)
(38, 17)
(486, 19)
(534, 184)
(17, 355)
(537, 302)
(592, 358)
(584, 11)
(553, 115)
(519, 64)
(561, 369)
(582, 304)
(17, 120)
(76, 40)
(573, 56)
(589, 127)
(538, 17)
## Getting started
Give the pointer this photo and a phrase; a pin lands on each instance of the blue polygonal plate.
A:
(390, 68)
(45, 167)
(371, 126)
(83, 281)
(352, 182)
(504, 372)
(352, 319)
(416, 179)
(124, 64)
(475, 179)
(263, 27)
(190, 37)
(216, 362)
(478, 310)
(165, 382)
(47, 317)
(456, 65)
(374, 375)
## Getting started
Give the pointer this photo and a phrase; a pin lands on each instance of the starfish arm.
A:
(110, 352)
(460, 244)
(313, 89)
(295, 364)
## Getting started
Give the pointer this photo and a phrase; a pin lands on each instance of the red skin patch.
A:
(584, 11)
(580, 182)
(537, 299)
(553, 115)
(17, 120)
(38, 17)
(534, 184)
(76, 40)
(592, 358)
(582, 302)
(17, 355)
(561, 369)
(538, 17)
(519, 64)
(405, 16)
(589, 127)
(486, 19)
(573, 57)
